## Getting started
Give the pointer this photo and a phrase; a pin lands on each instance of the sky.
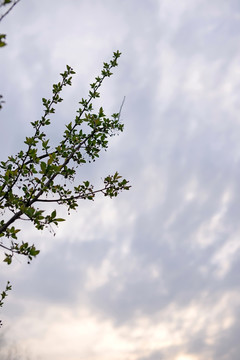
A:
(155, 273)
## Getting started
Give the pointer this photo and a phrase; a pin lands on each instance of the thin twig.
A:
(8, 11)
(119, 114)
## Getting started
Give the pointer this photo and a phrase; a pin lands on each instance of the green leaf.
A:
(43, 166)
(2, 40)
(8, 259)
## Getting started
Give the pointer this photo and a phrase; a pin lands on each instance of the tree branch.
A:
(119, 113)
(80, 196)
(8, 11)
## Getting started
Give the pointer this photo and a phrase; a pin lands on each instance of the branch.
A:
(80, 196)
(37, 193)
(24, 162)
(5, 247)
(119, 113)
(40, 157)
(8, 11)
(91, 97)
(6, 225)
(36, 197)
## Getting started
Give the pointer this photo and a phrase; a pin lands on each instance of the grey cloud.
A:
(209, 31)
(61, 273)
(185, 143)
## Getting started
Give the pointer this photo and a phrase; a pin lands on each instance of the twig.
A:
(119, 114)
(8, 11)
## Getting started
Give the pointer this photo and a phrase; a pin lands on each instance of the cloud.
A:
(152, 274)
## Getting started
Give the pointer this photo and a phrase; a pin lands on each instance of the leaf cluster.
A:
(42, 173)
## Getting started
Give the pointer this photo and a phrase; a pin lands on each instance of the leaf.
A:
(8, 259)
(2, 40)
(43, 166)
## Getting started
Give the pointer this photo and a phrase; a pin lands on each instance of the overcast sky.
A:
(153, 274)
